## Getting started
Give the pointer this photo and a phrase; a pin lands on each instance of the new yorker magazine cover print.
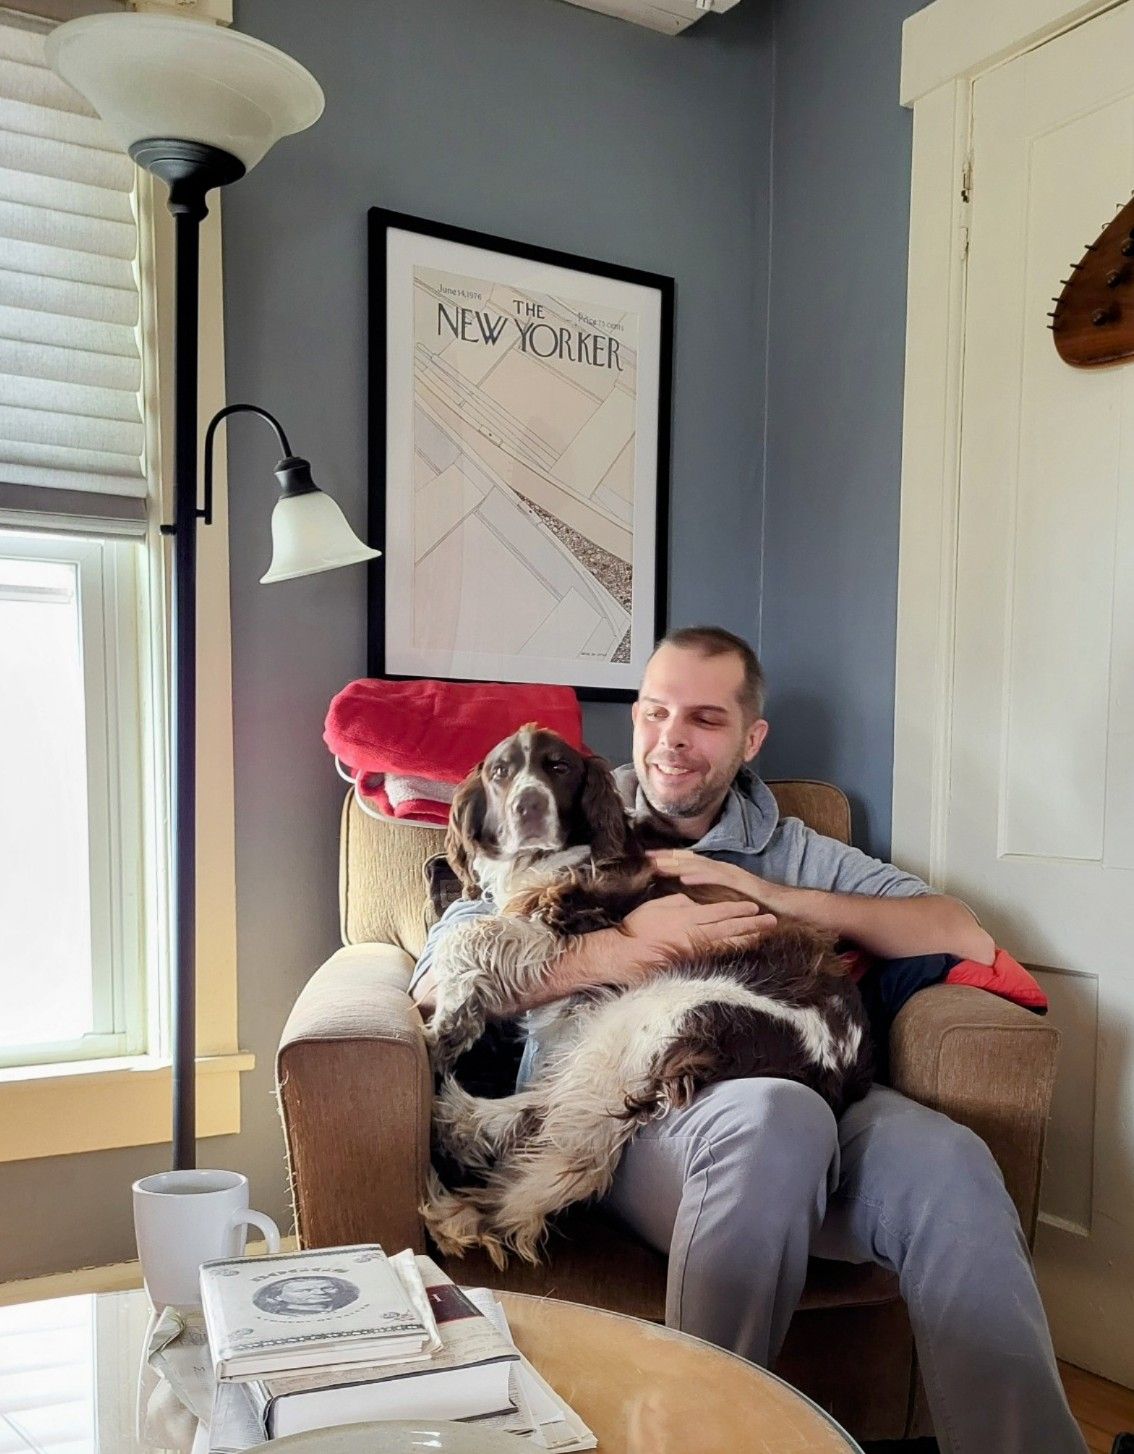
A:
(520, 485)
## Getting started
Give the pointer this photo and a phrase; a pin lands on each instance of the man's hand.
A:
(889, 927)
(675, 923)
(695, 869)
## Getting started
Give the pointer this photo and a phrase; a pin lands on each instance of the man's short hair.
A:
(716, 641)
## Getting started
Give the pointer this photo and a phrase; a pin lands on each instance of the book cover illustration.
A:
(301, 1299)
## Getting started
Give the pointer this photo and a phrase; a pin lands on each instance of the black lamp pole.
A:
(191, 170)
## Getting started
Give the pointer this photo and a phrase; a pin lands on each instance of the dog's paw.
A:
(524, 1238)
(497, 1252)
(452, 1220)
(450, 1035)
(457, 1224)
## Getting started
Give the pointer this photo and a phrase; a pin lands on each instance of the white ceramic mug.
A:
(184, 1218)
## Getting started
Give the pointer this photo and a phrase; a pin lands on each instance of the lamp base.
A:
(189, 168)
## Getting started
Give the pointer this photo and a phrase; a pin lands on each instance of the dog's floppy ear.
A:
(466, 822)
(601, 807)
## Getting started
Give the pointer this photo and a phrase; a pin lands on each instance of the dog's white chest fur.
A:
(503, 878)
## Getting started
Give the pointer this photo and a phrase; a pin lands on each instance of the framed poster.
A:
(519, 460)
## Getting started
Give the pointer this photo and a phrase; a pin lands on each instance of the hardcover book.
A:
(468, 1376)
(323, 1309)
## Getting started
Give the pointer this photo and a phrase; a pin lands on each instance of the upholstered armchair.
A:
(355, 1090)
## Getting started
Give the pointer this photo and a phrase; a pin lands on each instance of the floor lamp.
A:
(199, 105)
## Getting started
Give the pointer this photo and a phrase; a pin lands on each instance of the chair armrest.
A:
(355, 1095)
(988, 1064)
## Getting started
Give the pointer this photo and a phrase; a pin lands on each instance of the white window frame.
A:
(63, 1109)
(113, 627)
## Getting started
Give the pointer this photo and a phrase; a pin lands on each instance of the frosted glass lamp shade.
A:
(309, 534)
(161, 76)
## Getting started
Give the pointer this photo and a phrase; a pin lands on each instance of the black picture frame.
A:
(387, 436)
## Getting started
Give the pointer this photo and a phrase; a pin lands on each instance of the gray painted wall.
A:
(841, 166)
(525, 118)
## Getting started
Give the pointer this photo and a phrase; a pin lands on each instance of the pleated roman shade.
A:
(72, 437)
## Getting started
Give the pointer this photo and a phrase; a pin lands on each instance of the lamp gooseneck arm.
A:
(206, 513)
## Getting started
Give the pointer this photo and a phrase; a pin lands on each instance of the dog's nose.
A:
(530, 806)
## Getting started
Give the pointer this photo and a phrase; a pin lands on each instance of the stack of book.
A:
(347, 1335)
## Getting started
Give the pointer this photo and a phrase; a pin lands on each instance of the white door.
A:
(1040, 817)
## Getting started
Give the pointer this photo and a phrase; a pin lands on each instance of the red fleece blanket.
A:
(394, 737)
(1004, 977)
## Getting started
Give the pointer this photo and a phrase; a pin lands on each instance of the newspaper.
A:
(554, 1424)
(234, 1426)
(177, 1350)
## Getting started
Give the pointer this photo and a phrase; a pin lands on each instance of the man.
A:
(740, 1187)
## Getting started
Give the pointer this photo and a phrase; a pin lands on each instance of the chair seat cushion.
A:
(592, 1259)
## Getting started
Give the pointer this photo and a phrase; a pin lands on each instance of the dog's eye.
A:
(557, 765)
(500, 770)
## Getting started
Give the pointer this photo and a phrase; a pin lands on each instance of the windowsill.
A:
(59, 1110)
(132, 1064)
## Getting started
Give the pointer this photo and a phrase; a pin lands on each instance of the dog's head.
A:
(534, 794)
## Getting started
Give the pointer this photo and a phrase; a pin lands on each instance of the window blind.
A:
(72, 436)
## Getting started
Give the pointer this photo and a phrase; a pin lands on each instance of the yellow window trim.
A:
(59, 1111)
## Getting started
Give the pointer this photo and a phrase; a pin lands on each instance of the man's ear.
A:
(754, 739)
(466, 824)
(601, 807)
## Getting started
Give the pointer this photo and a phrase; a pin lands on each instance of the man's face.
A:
(690, 736)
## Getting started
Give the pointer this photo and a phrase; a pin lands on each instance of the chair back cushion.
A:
(383, 896)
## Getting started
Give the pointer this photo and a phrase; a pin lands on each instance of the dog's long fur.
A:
(544, 830)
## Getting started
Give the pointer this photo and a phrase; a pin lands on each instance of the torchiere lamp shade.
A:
(158, 76)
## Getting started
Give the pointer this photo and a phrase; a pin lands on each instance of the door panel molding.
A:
(945, 47)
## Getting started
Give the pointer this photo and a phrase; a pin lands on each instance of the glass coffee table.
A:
(70, 1367)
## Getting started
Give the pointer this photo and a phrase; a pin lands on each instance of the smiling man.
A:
(754, 1176)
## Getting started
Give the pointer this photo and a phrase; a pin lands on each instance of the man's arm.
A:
(624, 956)
(891, 927)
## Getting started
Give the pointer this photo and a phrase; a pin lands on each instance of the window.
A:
(74, 638)
(72, 958)
(85, 331)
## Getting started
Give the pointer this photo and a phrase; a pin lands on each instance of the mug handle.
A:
(255, 1219)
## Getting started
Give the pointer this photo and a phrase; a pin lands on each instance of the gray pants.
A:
(741, 1186)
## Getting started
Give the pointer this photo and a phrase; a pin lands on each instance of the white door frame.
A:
(945, 47)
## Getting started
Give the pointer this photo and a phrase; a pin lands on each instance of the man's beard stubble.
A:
(709, 795)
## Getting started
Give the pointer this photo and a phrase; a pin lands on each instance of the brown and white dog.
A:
(543, 831)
